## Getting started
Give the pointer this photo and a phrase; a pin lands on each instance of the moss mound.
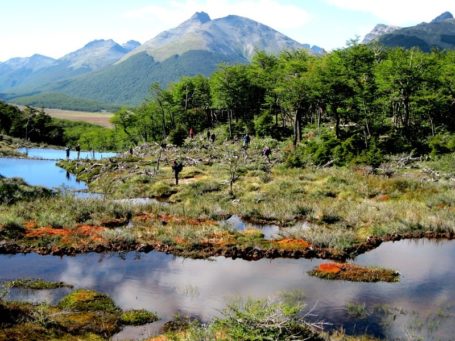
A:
(137, 317)
(87, 300)
(100, 323)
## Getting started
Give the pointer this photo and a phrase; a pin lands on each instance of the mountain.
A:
(131, 45)
(14, 71)
(106, 72)
(233, 36)
(378, 31)
(95, 55)
(439, 33)
(31, 75)
(197, 46)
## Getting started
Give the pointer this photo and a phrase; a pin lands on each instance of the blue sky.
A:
(56, 27)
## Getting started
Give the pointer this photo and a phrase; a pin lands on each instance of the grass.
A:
(249, 320)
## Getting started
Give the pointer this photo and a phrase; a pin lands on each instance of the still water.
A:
(57, 154)
(45, 172)
(168, 284)
(39, 173)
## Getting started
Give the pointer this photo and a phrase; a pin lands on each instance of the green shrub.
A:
(12, 230)
(178, 136)
(442, 144)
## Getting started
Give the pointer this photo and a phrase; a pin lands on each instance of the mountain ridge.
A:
(105, 71)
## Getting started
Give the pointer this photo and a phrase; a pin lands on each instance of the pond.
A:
(57, 154)
(45, 172)
(168, 284)
(40, 173)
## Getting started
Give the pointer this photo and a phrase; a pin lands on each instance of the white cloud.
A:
(398, 12)
(282, 17)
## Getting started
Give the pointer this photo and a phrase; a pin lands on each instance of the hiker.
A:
(177, 168)
(67, 150)
(246, 140)
(208, 135)
(212, 138)
(267, 151)
(191, 133)
(78, 150)
(131, 151)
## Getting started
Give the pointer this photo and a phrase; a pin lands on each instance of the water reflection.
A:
(39, 173)
(170, 284)
(269, 231)
(57, 154)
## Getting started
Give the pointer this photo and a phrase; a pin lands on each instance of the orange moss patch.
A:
(69, 235)
(180, 240)
(354, 273)
(383, 197)
(292, 244)
(46, 231)
(31, 224)
(330, 267)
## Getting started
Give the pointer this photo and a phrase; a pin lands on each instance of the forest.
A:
(352, 105)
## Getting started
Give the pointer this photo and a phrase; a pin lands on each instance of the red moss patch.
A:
(354, 273)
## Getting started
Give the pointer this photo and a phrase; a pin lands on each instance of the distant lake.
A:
(58, 154)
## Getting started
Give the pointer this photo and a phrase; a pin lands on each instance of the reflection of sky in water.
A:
(169, 284)
(39, 173)
(56, 154)
(269, 231)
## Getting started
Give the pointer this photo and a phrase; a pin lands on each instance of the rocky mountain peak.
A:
(131, 45)
(378, 31)
(200, 17)
(443, 17)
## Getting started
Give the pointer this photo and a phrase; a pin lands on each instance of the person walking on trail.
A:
(246, 140)
(267, 151)
(78, 150)
(177, 168)
(67, 151)
(208, 135)
(191, 133)
(212, 138)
